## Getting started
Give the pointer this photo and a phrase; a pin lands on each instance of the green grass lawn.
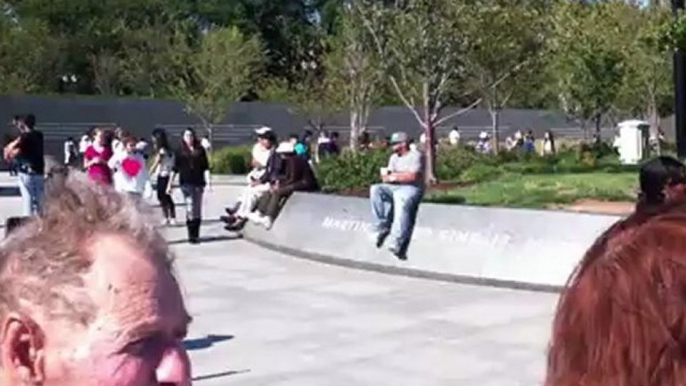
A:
(541, 191)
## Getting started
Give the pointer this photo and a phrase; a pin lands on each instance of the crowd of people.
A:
(81, 280)
(118, 160)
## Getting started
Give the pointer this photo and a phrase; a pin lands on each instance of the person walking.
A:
(190, 165)
(130, 170)
(70, 153)
(549, 144)
(97, 156)
(84, 143)
(162, 166)
(27, 153)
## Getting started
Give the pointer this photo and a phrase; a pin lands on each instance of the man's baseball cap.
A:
(264, 130)
(399, 137)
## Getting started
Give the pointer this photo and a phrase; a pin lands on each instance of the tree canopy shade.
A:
(218, 74)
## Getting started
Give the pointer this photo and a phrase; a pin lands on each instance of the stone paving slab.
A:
(296, 322)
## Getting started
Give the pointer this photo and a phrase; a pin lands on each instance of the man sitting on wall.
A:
(395, 201)
(296, 176)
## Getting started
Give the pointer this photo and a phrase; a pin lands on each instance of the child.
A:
(131, 171)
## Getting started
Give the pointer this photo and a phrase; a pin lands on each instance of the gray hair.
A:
(44, 258)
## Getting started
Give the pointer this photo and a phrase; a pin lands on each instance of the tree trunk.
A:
(355, 128)
(654, 120)
(598, 118)
(495, 122)
(430, 130)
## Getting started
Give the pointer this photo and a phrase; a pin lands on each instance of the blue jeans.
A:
(31, 187)
(192, 197)
(395, 209)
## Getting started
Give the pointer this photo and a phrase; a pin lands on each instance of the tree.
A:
(286, 28)
(93, 36)
(497, 62)
(353, 71)
(648, 88)
(26, 55)
(589, 62)
(220, 72)
(420, 43)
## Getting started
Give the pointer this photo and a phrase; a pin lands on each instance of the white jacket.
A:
(131, 173)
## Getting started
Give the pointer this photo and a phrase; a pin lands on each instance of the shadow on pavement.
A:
(219, 375)
(203, 343)
(205, 240)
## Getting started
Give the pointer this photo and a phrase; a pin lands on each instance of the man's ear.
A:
(22, 349)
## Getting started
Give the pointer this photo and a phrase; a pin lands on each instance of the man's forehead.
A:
(129, 285)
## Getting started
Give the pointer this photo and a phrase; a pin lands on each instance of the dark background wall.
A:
(65, 116)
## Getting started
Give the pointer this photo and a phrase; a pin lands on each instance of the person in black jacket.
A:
(26, 153)
(191, 165)
(297, 176)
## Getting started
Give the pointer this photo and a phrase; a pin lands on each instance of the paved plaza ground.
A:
(264, 318)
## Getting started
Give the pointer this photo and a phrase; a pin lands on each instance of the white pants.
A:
(249, 198)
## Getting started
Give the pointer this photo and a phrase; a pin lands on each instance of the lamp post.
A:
(679, 89)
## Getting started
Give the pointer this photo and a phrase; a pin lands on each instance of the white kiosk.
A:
(632, 141)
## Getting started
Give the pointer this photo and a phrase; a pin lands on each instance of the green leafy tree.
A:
(220, 72)
(648, 87)
(497, 62)
(420, 43)
(588, 61)
(26, 56)
(353, 70)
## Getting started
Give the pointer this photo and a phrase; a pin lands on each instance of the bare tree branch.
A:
(459, 112)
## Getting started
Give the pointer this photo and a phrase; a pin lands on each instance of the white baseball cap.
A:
(263, 130)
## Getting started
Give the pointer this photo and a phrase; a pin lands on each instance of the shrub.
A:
(481, 173)
(351, 171)
(451, 162)
(231, 160)
(464, 165)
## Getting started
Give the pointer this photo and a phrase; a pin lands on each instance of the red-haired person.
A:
(621, 321)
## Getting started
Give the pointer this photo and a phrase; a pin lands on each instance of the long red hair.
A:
(622, 319)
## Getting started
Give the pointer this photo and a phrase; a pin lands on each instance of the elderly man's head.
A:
(88, 296)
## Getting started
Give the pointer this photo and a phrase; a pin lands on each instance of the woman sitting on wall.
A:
(622, 319)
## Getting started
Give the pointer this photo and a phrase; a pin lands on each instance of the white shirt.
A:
(131, 172)
(166, 163)
(68, 149)
(205, 143)
(84, 144)
(454, 137)
(142, 146)
(260, 155)
(118, 146)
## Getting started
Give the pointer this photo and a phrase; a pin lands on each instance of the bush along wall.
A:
(231, 160)
(465, 166)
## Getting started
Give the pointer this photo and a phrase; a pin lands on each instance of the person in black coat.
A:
(191, 165)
